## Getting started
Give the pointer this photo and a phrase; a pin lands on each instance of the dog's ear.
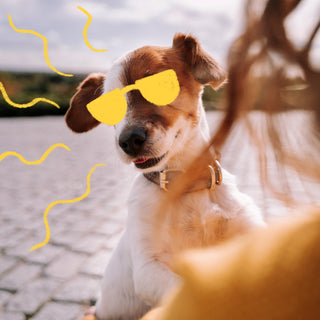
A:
(203, 67)
(78, 118)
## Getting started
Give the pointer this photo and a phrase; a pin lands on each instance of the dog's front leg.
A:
(152, 280)
(118, 299)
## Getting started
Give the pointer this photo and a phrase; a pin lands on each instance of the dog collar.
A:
(165, 177)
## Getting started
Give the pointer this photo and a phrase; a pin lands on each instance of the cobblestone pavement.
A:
(59, 280)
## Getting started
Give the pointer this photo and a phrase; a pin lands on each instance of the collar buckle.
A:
(216, 174)
(163, 177)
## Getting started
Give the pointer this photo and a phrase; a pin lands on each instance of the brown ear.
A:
(78, 118)
(203, 67)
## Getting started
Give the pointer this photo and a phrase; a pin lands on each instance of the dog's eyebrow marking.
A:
(85, 30)
(45, 215)
(45, 46)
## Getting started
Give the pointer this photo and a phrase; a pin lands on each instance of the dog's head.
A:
(150, 135)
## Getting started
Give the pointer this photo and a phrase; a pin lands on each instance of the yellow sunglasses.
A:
(160, 89)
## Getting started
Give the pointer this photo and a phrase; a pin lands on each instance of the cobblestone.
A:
(4, 298)
(80, 290)
(57, 311)
(96, 264)
(66, 265)
(32, 296)
(67, 238)
(13, 238)
(12, 316)
(90, 244)
(6, 263)
(19, 276)
(43, 255)
(109, 228)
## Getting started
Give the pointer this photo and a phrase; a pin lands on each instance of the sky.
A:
(123, 25)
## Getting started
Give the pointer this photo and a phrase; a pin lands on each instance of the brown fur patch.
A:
(204, 68)
(78, 117)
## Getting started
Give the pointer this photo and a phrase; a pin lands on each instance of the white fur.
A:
(112, 80)
(134, 280)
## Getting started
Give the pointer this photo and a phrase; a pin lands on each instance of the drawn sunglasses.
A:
(160, 89)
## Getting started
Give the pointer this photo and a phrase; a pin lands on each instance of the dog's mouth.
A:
(144, 163)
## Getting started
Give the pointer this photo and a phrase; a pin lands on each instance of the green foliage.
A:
(212, 99)
(23, 87)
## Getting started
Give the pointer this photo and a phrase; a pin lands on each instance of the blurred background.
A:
(62, 278)
(118, 26)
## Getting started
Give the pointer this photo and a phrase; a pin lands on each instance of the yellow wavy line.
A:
(85, 30)
(45, 215)
(45, 46)
(24, 105)
(44, 156)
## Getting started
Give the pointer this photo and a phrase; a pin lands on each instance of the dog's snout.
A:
(131, 140)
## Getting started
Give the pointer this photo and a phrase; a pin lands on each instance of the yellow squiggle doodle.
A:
(25, 105)
(45, 215)
(45, 46)
(85, 30)
(22, 159)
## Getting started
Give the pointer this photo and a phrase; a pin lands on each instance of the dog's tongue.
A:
(141, 160)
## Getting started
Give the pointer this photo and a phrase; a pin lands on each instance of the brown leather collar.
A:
(163, 178)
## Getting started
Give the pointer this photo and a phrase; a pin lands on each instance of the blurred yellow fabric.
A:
(270, 274)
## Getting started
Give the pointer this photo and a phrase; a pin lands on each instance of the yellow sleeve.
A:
(270, 274)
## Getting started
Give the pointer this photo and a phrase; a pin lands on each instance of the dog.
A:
(161, 141)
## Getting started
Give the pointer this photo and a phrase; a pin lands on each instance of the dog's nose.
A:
(131, 140)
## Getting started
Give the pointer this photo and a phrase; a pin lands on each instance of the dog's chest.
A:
(192, 222)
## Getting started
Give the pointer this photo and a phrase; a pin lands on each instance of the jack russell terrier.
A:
(161, 141)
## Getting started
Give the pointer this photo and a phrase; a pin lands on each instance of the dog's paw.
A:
(90, 314)
(89, 317)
